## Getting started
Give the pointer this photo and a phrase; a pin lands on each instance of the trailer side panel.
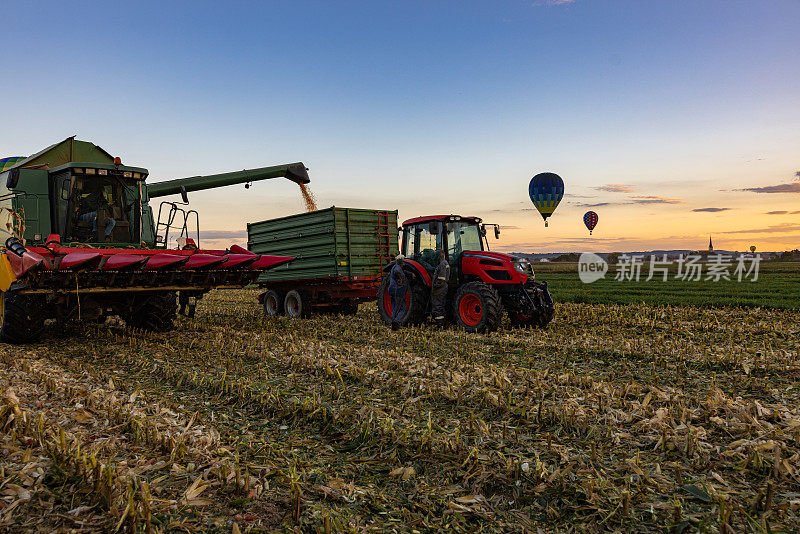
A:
(333, 243)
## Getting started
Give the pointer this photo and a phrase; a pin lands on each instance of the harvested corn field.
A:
(630, 418)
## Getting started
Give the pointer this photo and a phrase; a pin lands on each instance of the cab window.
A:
(409, 242)
(429, 238)
(462, 236)
(98, 199)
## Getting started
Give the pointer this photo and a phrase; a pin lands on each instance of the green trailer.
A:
(339, 255)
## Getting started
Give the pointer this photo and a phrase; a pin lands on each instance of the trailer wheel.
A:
(477, 307)
(297, 304)
(348, 307)
(21, 317)
(273, 303)
(155, 313)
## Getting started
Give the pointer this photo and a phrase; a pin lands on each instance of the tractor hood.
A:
(499, 256)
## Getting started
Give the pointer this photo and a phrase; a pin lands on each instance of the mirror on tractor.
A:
(184, 195)
(13, 178)
(496, 232)
(66, 189)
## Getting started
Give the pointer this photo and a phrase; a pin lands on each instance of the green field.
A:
(778, 286)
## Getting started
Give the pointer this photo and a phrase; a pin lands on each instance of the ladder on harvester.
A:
(384, 239)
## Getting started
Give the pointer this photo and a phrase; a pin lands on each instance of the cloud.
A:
(223, 234)
(598, 205)
(780, 188)
(616, 188)
(511, 228)
(711, 210)
(777, 212)
(774, 229)
(653, 199)
(636, 199)
(548, 3)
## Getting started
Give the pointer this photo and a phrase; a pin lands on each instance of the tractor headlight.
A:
(524, 267)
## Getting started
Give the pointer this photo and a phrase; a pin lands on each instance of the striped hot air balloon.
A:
(590, 220)
(546, 191)
(5, 163)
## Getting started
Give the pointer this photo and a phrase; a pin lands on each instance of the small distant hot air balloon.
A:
(752, 248)
(590, 220)
(6, 163)
(546, 191)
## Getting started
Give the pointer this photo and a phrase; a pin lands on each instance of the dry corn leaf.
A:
(197, 487)
(83, 417)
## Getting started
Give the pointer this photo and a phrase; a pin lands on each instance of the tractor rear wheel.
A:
(21, 317)
(416, 301)
(273, 303)
(297, 304)
(155, 313)
(477, 307)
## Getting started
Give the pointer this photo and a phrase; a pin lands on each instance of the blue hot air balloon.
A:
(590, 220)
(546, 191)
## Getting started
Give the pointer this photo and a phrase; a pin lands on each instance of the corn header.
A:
(81, 241)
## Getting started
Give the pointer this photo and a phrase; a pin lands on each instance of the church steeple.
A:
(710, 245)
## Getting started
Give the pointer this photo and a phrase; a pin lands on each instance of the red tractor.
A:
(482, 284)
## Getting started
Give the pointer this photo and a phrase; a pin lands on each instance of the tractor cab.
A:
(423, 236)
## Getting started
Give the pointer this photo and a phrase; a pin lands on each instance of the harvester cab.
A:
(482, 283)
(97, 204)
(81, 241)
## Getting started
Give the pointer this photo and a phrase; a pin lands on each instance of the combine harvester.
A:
(82, 243)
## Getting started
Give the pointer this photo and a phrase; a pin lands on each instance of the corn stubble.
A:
(616, 417)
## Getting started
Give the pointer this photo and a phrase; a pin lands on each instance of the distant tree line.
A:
(613, 257)
(573, 257)
(787, 255)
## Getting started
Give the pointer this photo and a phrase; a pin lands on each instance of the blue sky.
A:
(436, 107)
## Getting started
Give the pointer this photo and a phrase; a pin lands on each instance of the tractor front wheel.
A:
(21, 317)
(477, 307)
(155, 312)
